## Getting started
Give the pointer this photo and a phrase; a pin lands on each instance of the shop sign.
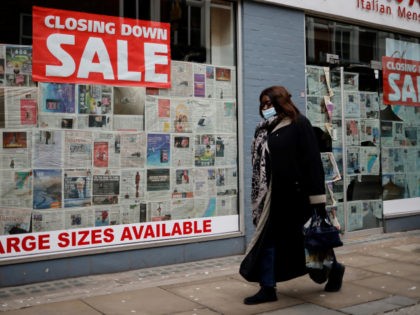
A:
(76, 47)
(23, 245)
(401, 81)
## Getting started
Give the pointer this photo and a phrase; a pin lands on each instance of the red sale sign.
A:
(401, 81)
(75, 47)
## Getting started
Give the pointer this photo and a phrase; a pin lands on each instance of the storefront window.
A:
(87, 165)
(373, 141)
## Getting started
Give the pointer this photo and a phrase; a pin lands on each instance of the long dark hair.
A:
(282, 102)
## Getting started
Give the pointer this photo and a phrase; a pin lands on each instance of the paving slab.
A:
(62, 308)
(393, 285)
(155, 301)
(379, 306)
(395, 268)
(225, 295)
(303, 309)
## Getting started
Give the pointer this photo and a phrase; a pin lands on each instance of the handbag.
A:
(320, 234)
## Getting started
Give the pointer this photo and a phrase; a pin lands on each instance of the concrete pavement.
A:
(382, 277)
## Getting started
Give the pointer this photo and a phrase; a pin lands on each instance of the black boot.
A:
(335, 278)
(265, 294)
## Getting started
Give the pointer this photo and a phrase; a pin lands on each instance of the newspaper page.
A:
(129, 104)
(181, 80)
(355, 215)
(160, 210)
(225, 150)
(106, 186)
(182, 183)
(316, 81)
(75, 218)
(352, 132)
(203, 116)
(135, 213)
(14, 221)
(16, 149)
(132, 149)
(205, 207)
(369, 105)
(181, 115)
(47, 188)
(316, 109)
(94, 99)
(182, 150)
(18, 71)
(369, 132)
(226, 120)
(372, 213)
(47, 220)
(369, 160)
(133, 186)
(107, 215)
(353, 160)
(158, 114)
(77, 188)
(2, 67)
(227, 205)
(21, 107)
(226, 181)
(204, 182)
(183, 209)
(225, 86)
(204, 150)
(16, 188)
(106, 152)
(2, 107)
(387, 133)
(352, 104)
(77, 149)
(48, 145)
(331, 170)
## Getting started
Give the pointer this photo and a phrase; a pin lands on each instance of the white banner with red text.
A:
(64, 241)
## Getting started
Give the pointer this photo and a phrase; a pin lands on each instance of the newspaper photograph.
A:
(48, 145)
(77, 149)
(47, 188)
(16, 188)
(182, 150)
(47, 220)
(132, 149)
(56, 97)
(94, 122)
(129, 104)
(77, 188)
(204, 78)
(14, 221)
(18, 71)
(158, 184)
(203, 116)
(16, 149)
(204, 150)
(133, 186)
(21, 107)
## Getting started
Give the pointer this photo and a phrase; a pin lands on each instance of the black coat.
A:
(296, 174)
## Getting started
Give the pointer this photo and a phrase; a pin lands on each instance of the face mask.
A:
(268, 113)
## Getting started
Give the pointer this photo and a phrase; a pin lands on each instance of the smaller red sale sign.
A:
(76, 47)
(401, 81)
